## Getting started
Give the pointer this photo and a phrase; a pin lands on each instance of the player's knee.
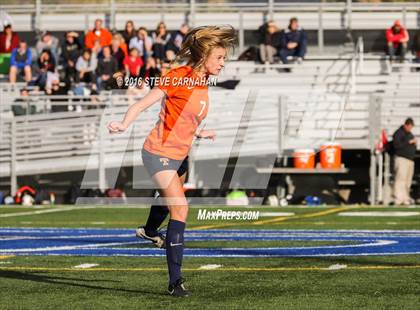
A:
(179, 213)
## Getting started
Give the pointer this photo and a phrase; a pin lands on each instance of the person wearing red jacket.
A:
(8, 40)
(98, 34)
(397, 41)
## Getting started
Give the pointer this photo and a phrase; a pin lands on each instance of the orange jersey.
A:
(185, 106)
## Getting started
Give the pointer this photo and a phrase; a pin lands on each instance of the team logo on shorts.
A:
(164, 161)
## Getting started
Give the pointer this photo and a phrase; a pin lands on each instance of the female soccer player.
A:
(165, 150)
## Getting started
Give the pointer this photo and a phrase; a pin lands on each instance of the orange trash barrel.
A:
(304, 158)
(330, 155)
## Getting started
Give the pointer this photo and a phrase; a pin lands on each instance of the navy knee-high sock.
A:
(156, 217)
(174, 249)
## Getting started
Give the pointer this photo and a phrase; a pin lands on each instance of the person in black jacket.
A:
(404, 144)
(71, 49)
(293, 42)
(107, 66)
(269, 40)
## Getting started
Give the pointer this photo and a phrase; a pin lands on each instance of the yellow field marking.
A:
(280, 218)
(239, 269)
(6, 256)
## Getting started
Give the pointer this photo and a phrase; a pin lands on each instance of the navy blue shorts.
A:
(155, 163)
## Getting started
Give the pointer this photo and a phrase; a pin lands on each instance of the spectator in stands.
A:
(86, 66)
(142, 43)
(293, 42)
(20, 61)
(404, 144)
(9, 40)
(107, 66)
(124, 47)
(47, 41)
(23, 103)
(416, 47)
(175, 43)
(98, 34)
(59, 91)
(47, 72)
(160, 38)
(150, 70)
(269, 41)
(70, 51)
(118, 54)
(133, 63)
(129, 32)
(397, 41)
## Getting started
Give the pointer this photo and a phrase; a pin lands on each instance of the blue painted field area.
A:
(122, 242)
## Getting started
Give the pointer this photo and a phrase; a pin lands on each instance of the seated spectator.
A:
(142, 43)
(23, 103)
(86, 66)
(47, 72)
(397, 41)
(133, 63)
(293, 42)
(129, 32)
(160, 38)
(47, 41)
(416, 47)
(9, 40)
(175, 43)
(107, 66)
(98, 34)
(269, 41)
(123, 45)
(20, 62)
(118, 54)
(150, 70)
(59, 91)
(70, 51)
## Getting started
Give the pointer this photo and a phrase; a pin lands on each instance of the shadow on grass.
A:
(42, 278)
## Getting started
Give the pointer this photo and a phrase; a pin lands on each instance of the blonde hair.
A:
(119, 37)
(200, 41)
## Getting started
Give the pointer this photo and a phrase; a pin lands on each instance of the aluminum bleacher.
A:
(319, 101)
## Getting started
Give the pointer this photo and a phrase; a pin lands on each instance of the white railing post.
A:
(320, 28)
(101, 161)
(361, 55)
(13, 159)
(353, 75)
(404, 16)
(349, 13)
(38, 14)
(112, 14)
(241, 32)
(270, 9)
(374, 134)
(192, 13)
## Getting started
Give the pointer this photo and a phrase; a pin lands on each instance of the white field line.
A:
(380, 213)
(46, 211)
(67, 247)
(268, 214)
(85, 266)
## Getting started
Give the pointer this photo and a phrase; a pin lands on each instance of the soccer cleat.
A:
(158, 239)
(177, 289)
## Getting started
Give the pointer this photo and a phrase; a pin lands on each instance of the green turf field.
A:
(363, 282)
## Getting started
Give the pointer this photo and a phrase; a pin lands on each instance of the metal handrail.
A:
(227, 6)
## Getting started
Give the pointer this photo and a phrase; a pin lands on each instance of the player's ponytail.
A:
(200, 41)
